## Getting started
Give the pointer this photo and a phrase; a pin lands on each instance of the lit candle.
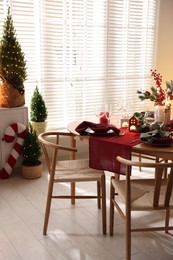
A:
(133, 128)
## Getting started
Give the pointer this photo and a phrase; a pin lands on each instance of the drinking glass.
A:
(108, 111)
(103, 112)
(148, 118)
(99, 110)
(123, 107)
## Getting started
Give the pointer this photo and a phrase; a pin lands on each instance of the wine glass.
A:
(148, 118)
(119, 105)
(103, 112)
(108, 111)
(99, 110)
(123, 107)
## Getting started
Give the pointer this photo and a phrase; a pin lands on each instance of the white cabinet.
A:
(9, 116)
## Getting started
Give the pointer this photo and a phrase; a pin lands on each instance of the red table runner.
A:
(104, 150)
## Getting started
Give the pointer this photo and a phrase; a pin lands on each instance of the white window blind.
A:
(131, 49)
(85, 52)
(23, 14)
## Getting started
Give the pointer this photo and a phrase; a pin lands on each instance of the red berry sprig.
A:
(158, 79)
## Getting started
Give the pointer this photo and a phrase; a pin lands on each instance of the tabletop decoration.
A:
(140, 115)
(137, 123)
(124, 122)
(133, 124)
(103, 112)
(160, 97)
(104, 118)
(156, 94)
(146, 127)
(169, 95)
(169, 90)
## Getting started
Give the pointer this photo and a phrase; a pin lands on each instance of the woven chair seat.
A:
(76, 170)
(142, 193)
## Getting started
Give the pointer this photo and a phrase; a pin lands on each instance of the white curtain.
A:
(85, 52)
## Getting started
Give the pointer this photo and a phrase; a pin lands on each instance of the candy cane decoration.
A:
(13, 130)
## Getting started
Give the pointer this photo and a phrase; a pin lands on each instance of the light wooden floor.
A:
(74, 231)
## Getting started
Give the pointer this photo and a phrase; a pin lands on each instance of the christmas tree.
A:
(38, 110)
(31, 148)
(12, 61)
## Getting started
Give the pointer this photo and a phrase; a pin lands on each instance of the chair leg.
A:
(47, 211)
(112, 192)
(167, 215)
(103, 185)
(128, 234)
(73, 192)
(72, 157)
(140, 160)
(98, 194)
(46, 218)
(165, 176)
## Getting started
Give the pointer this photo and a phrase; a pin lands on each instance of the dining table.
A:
(103, 149)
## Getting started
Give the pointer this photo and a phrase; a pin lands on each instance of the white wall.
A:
(165, 41)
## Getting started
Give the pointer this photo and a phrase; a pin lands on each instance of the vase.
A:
(159, 113)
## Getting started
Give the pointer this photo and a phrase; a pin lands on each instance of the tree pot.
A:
(31, 171)
(40, 127)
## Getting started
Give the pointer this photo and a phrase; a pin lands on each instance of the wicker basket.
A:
(31, 172)
(40, 127)
(9, 96)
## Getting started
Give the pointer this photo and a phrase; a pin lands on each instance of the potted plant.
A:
(38, 112)
(12, 67)
(31, 165)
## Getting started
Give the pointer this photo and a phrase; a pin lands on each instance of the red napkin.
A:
(97, 128)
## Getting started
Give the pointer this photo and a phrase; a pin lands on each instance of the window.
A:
(85, 52)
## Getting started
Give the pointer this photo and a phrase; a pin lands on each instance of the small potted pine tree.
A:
(31, 165)
(38, 112)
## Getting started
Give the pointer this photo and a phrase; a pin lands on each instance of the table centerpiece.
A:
(160, 97)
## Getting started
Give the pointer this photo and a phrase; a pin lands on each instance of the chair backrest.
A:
(162, 187)
(51, 144)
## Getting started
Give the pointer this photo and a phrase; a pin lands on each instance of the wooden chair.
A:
(153, 158)
(71, 171)
(141, 194)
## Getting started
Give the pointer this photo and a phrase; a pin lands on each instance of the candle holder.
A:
(167, 115)
(133, 124)
(124, 122)
(104, 118)
(104, 112)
